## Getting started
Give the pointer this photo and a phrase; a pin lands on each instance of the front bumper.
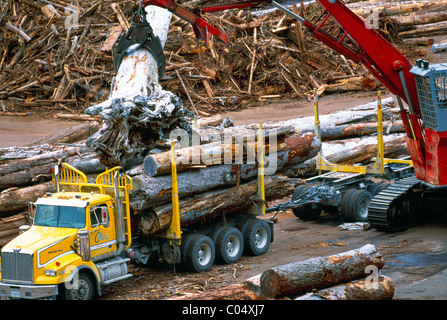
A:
(17, 291)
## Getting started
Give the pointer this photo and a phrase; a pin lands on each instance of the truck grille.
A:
(17, 267)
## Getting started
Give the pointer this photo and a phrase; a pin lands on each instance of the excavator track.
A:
(395, 208)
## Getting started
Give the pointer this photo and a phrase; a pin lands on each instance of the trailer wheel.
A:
(257, 236)
(358, 207)
(308, 211)
(198, 253)
(229, 244)
(345, 201)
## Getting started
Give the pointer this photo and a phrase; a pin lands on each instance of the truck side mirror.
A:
(31, 211)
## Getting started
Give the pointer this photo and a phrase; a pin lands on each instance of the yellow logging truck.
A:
(81, 238)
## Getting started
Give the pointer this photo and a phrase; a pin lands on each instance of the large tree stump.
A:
(139, 112)
(319, 272)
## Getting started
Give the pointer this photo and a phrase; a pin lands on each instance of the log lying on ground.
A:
(391, 9)
(15, 200)
(237, 291)
(421, 19)
(212, 204)
(361, 289)
(439, 28)
(319, 272)
(151, 191)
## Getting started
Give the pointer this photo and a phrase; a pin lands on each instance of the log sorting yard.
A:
(68, 95)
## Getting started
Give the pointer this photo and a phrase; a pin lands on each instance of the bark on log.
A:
(391, 9)
(37, 169)
(70, 135)
(361, 113)
(213, 204)
(319, 272)
(151, 191)
(237, 291)
(425, 30)
(421, 19)
(9, 227)
(229, 153)
(362, 150)
(352, 151)
(15, 200)
(362, 289)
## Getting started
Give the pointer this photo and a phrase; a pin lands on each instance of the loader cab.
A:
(431, 84)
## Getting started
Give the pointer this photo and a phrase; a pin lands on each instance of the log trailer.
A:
(83, 236)
(422, 87)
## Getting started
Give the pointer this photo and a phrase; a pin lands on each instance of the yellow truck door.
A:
(102, 230)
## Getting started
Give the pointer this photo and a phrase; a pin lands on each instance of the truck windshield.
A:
(59, 216)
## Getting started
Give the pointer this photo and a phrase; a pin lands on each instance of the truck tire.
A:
(83, 290)
(257, 237)
(308, 212)
(378, 187)
(198, 253)
(358, 207)
(344, 205)
(229, 244)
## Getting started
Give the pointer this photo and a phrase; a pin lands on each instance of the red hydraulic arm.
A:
(202, 29)
(384, 61)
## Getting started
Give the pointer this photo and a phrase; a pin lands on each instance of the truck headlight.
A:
(50, 273)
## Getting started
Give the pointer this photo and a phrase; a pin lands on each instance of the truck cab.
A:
(75, 242)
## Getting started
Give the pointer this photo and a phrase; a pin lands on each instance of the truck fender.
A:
(91, 271)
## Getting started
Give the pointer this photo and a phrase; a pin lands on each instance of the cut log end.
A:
(271, 283)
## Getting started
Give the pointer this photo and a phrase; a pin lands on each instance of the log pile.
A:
(57, 57)
(351, 275)
(412, 19)
(211, 186)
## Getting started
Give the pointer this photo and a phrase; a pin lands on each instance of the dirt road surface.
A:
(415, 259)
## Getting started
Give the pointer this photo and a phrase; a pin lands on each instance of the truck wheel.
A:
(300, 190)
(82, 290)
(344, 205)
(229, 245)
(358, 207)
(198, 253)
(378, 187)
(257, 236)
(308, 211)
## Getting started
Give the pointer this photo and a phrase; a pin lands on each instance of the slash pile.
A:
(51, 62)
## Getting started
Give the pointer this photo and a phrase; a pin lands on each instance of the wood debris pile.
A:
(52, 59)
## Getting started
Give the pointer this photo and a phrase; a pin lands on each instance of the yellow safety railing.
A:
(70, 179)
(378, 167)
